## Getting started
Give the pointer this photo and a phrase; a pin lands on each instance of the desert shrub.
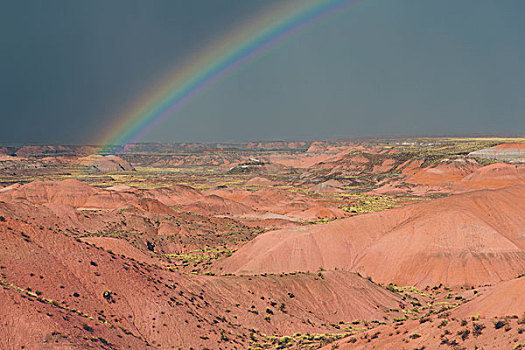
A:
(499, 324)
(400, 320)
(108, 296)
(150, 246)
(478, 328)
(464, 333)
(424, 319)
(224, 336)
(445, 341)
(391, 288)
(103, 341)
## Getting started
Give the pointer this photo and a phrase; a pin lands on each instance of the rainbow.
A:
(213, 63)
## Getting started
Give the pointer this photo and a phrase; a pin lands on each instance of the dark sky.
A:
(69, 68)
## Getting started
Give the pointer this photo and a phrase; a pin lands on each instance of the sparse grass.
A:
(297, 341)
(361, 204)
(199, 260)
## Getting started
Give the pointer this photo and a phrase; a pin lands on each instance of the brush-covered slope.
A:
(505, 299)
(493, 320)
(466, 239)
(60, 292)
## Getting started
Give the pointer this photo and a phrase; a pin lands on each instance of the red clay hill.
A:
(468, 239)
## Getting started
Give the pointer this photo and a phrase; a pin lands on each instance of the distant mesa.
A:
(510, 152)
(256, 166)
(105, 164)
(55, 150)
(278, 145)
(193, 147)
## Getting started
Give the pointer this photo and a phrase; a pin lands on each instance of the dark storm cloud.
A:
(68, 68)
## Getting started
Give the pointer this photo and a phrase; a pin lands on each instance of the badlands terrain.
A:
(378, 243)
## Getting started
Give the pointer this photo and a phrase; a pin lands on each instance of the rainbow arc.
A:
(214, 62)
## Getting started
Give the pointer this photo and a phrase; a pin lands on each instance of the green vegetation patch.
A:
(363, 203)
